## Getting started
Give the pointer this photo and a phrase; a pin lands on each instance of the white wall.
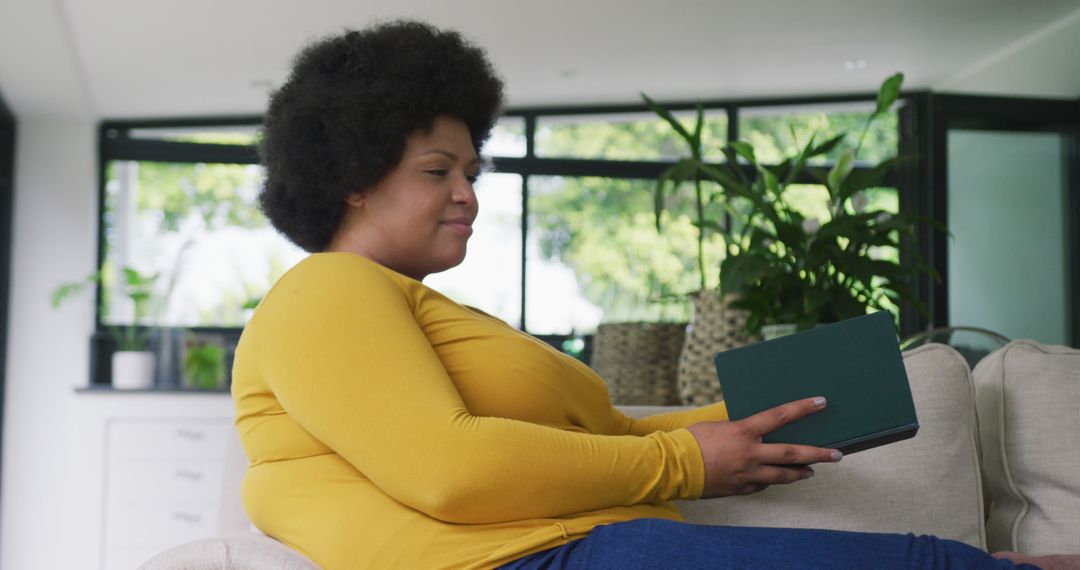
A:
(1044, 64)
(53, 241)
(47, 350)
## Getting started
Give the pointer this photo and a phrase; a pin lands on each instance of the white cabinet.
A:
(155, 464)
(163, 485)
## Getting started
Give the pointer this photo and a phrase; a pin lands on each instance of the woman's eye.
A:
(472, 178)
(437, 172)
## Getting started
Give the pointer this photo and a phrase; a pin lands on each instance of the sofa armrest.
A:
(237, 551)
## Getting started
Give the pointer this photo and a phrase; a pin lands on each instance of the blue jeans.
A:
(657, 543)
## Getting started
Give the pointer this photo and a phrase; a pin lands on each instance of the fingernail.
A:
(809, 473)
(836, 455)
(819, 402)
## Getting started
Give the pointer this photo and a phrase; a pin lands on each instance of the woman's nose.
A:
(463, 191)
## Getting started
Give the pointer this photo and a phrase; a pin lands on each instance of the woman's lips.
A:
(464, 227)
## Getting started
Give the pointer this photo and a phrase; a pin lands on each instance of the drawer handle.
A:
(187, 517)
(188, 474)
(185, 433)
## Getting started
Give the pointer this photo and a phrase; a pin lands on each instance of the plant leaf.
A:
(889, 92)
(780, 170)
(745, 150)
(65, 290)
(675, 175)
(730, 183)
(928, 221)
(698, 127)
(710, 224)
(658, 196)
(825, 147)
(671, 120)
(815, 298)
(800, 162)
(791, 233)
(730, 280)
(759, 238)
(862, 178)
(841, 225)
(733, 164)
(840, 171)
(772, 184)
(131, 276)
(739, 271)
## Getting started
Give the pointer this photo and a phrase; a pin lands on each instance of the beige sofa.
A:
(996, 464)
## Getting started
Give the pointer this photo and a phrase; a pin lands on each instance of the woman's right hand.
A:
(738, 463)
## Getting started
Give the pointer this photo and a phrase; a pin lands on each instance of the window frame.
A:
(924, 125)
(7, 193)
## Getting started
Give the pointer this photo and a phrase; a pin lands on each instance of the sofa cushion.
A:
(243, 551)
(1029, 414)
(929, 484)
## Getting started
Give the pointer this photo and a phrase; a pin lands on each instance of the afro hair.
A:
(339, 123)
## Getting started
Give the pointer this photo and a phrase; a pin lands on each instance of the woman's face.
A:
(418, 218)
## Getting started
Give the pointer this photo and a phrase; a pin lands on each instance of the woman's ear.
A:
(356, 199)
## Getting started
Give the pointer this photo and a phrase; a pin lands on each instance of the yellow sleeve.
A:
(670, 421)
(339, 346)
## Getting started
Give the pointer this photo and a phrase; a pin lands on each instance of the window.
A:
(625, 136)
(566, 237)
(180, 204)
(197, 227)
(594, 255)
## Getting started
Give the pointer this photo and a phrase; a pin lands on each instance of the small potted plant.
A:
(204, 361)
(132, 363)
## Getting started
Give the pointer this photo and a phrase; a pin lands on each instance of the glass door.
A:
(1008, 198)
(1003, 175)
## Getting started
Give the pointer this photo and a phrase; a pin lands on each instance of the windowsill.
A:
(108, 389)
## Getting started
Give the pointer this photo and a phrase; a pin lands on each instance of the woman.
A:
(389, 427)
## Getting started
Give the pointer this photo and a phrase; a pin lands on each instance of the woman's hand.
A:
(738, 463)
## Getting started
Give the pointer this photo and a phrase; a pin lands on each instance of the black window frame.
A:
(924, 125)
(7, 194)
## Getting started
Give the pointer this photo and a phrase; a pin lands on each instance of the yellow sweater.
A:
(390, 427)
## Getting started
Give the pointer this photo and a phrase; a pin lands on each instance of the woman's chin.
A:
(447, 262)
(457, 261)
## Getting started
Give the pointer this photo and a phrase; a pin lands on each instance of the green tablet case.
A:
(855, 364)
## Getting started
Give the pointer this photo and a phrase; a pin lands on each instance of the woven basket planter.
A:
(716, 327)
(639, 361)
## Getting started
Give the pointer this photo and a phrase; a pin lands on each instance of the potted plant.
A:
(132, 363)
(204, 361)
(716, 325)
(781, 267)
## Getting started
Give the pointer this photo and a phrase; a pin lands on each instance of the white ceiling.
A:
(169, 58)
